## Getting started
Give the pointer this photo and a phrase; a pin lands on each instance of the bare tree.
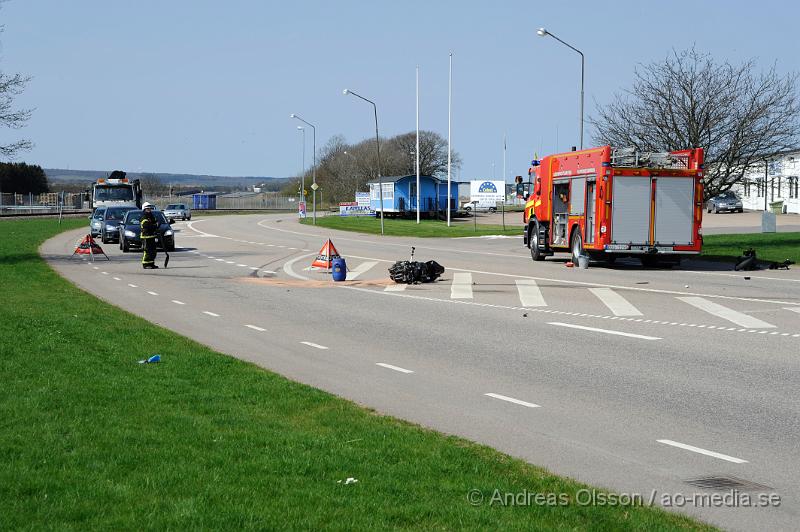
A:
(432, 154)
(741, 118)
(11, 86)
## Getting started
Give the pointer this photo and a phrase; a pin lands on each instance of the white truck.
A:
(116, 191)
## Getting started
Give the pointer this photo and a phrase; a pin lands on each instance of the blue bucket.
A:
(339, 269)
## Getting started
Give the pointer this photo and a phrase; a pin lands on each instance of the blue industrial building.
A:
(400, 195)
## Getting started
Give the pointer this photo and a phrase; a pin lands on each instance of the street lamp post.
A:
(314, 165)
(303, 176)
(542, 32)
(377, 145)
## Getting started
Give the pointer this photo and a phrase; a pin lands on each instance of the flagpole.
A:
(417, 152)
(449, 141)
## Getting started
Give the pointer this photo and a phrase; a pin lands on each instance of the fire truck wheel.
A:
(536, 253)
(576, 246)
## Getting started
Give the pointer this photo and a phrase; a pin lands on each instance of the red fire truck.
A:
(616, 202)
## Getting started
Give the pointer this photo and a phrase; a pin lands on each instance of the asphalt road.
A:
(630, 379)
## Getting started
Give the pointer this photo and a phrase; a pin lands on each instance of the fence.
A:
(250, 201)
(47, 203)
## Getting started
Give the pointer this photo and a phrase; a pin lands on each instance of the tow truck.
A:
(116, 191)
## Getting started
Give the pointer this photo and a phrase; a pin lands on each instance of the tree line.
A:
(345, 168)
(22, 178)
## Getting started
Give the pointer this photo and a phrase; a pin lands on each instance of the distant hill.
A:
(58, 176)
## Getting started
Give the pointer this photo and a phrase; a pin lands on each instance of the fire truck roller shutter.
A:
(630, 216)
(674, 210)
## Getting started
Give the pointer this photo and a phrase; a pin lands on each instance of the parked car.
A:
(173, 211)
(468, 207)
(96, 221)
(727, 201)
(112, 218)
(130, 231)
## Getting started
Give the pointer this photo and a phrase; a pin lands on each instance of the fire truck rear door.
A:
(630, 216)
(674, 210)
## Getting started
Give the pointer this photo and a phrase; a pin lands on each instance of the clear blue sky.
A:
(207, 87)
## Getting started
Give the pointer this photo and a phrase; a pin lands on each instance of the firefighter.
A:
(149, 230)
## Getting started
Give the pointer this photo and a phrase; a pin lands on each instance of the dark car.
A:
(96, 221)
(130, 230)
(110, 223)
(727, 201)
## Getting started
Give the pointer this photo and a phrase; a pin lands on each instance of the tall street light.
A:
(542, 32)
(314, 166)
(377, 145)
(303, 176)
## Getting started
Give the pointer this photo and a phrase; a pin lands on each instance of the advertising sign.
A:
(487, 193)
(354, 209)
(301, 209)
(362, 199)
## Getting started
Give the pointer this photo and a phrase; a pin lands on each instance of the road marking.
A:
(703, 451)
(229, 262)
(211, 313)
(312, 344)
(292, 248)
(152, 293)
(104, 273)
(715, 309)
(615, 302)
(606, 331)
(253, 268)
(512, 400)
(242, 265)
(96, 267)
(793, 309)
(529, 293)
(353, 274)
(255, 328)
(133, 285)
(220, 260)
(287, 267)
(210, 257)
(178, 302)
(117, 279)
(398, 287)
(395, 368)
(461, 288)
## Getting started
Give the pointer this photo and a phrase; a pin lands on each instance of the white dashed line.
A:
(615, 302)
(229, 262)
(96, 267)
(606, 331)
(133, 285)
(395, 368)
(253, 268)
(703, 451)
(395, 288)
(211, 314)
(178, 302)
(512, 400)
(529, 293)
(255, 327)
(312, 344)
(152, 293)
(117, 279)
(104, 273)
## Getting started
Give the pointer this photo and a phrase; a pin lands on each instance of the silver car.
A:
(173, 211)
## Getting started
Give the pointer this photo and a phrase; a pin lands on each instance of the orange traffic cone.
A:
(325, 256)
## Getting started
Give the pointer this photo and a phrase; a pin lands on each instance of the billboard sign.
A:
(487, 193)
(362, 199)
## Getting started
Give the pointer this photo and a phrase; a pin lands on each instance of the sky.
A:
(207, 87)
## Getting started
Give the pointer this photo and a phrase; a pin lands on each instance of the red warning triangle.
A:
(88, 246)
(325, 256)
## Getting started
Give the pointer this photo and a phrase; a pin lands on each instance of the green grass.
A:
(404, 227)
(89, 439)
(769, 246)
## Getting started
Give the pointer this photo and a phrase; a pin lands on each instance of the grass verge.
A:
(89, 439)
(403, 227)
(769, 246)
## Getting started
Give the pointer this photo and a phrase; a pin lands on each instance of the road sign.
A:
(314, 186)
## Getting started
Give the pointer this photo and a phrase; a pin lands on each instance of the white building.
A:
(772, 182)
